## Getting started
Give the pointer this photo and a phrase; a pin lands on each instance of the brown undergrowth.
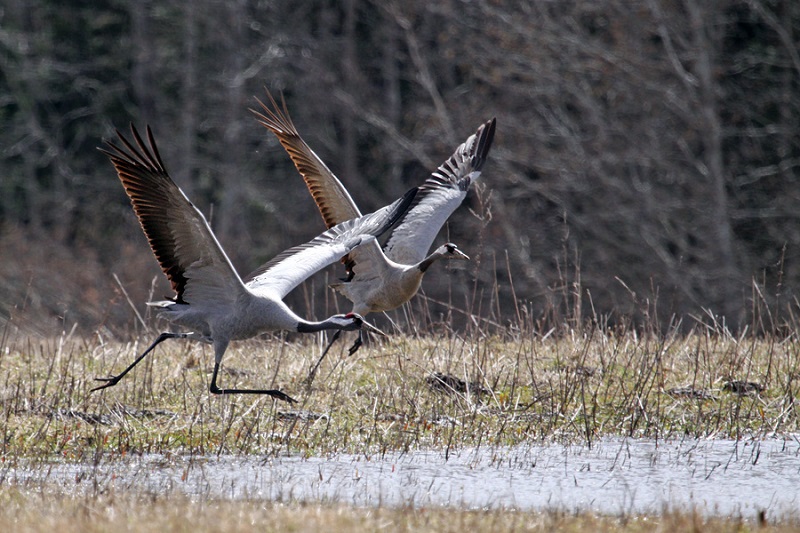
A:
(408, 392)
(442, 392)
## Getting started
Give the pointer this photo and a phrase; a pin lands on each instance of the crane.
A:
(381, 279)
(210, 297)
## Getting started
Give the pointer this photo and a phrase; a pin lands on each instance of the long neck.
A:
(334, 322)
(428, 261)
(268, 314)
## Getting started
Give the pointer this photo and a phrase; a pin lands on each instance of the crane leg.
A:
(357, 344)
(271, 392)
(113, 380)
(313, 372)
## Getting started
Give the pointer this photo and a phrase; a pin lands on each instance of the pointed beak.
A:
(366, 326)
(458, 254)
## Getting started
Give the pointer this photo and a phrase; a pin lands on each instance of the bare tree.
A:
(646, 160)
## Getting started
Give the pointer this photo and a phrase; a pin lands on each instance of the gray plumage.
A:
(381, 279)
(210, 297)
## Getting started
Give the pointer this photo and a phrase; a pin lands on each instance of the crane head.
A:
(354, 321)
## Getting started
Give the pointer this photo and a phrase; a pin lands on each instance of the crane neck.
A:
(428, 261)
(307, 326)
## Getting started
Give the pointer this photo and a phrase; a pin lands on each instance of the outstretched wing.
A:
(438, 197)
(179, 234)
(286, 271)
(334, 202)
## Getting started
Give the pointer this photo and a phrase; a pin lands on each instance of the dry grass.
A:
(574, 386)
(37, 512)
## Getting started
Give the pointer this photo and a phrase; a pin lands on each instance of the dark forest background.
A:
(645, 166)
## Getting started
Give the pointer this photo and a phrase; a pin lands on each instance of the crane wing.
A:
(334, 202)
(438, 197)
(181, 239)
(293, 266)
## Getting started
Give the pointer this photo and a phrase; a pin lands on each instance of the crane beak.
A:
(458, 254)
(366, 326)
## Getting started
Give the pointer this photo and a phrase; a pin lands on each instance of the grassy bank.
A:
(439, 392)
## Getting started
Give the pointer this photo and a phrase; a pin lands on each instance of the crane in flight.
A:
(379, 278)
(210, 297)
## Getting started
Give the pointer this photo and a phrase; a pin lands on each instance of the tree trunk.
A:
(724, 260)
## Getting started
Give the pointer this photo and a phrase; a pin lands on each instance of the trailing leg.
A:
(219, 351)
(113, 380)
(313, 372)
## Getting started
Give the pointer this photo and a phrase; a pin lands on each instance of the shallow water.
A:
(719, 477)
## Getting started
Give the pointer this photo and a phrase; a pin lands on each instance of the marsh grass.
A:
(551, 379)
(573, 386)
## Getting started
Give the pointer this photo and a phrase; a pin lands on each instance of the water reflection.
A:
(632, 476)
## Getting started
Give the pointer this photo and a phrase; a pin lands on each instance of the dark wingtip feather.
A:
(140, 169)
(483, 143)
(156, 156)
(275, 118)
(400, 210)
(140, 155)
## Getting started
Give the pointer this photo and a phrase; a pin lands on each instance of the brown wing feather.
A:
(334, 202)
(179, 235)
(142, 172)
